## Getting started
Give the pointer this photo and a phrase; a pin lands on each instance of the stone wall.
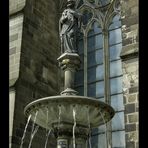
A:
(40, 46)
(15, 42)
(34, 71)
(129, 57)
(130, 68)
(129, 28)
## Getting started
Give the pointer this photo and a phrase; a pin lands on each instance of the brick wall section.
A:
(129, 57)
(38, 70)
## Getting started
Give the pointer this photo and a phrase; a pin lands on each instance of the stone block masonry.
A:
(129, 57)
(34, 71)
(15, 39)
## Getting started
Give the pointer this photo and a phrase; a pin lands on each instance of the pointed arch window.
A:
(99, 48)
(100, 75)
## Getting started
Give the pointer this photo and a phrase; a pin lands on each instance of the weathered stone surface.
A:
(15, 25)
(133, 20)
(133, 136)
(129, 48)
(15, 140)
(132, 98)
(133, 118)
(15, 6)
(137, 144)
(12, 50)
(137, 107)
(129, 108)
(130, 144)
(130, 127)
(31, 51)
(13, 37)
(133, 89)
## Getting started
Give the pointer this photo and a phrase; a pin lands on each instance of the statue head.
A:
(71, 3)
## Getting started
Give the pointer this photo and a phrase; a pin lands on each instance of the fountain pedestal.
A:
(69, 63)
(66, 138)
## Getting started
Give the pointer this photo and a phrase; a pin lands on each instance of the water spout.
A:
(74, 117)
(33, 131)
(89, 138)
(22, 140)
(70, 116)
(47, 120)
(47, 136)
(59, 118)
(106, 136)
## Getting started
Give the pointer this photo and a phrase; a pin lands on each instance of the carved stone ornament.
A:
(69, 25)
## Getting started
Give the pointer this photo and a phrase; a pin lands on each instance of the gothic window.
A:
(100, 75)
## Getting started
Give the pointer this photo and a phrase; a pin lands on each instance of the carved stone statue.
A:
(69, 25)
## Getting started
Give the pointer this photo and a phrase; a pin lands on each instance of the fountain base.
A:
(66, 138)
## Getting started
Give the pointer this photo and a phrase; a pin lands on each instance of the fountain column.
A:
(69, 63)
(64, 135)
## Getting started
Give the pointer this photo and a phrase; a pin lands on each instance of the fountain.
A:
(70, 116)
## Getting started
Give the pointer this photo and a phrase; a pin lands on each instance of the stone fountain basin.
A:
(87, 111)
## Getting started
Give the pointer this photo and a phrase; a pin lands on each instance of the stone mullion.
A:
(107, 83)
(85, 64)
(106, 67)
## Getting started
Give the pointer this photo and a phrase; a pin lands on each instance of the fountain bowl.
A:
(89, 111)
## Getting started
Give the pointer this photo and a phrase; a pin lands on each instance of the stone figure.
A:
(69, 25)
